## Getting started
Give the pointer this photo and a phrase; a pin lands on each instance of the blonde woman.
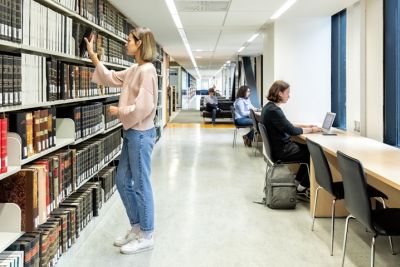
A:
(136, 110)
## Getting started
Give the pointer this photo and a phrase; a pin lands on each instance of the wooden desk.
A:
(381, 163)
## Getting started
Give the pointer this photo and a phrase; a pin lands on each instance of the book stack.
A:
(115, 52)
(102, 47)
(12, 259)
(11, 20)
(93, 154)
(87, 119)
(107, 178)
(158, 65)
(110, 120)
(22, 189)
(29, 246)
(47, 29)
(10, 80)
(33, 79)
(37, 130)
(88, 9)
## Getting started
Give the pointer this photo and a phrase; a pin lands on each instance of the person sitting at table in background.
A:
(210, 103)
(280, 129)
(242, 107)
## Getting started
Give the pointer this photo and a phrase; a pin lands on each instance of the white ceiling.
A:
(219, 34)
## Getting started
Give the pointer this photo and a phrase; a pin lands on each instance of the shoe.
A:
(304, 195)
(138, 245)
(123, 240)
(245, 140)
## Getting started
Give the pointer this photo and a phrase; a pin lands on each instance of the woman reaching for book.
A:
(136, 111)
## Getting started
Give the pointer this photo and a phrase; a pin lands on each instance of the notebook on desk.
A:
(327, 124)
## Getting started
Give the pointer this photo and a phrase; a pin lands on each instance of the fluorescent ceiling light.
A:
(241, 49)
(228, 62)
(179, 26)
(283, 9)
(253, 37)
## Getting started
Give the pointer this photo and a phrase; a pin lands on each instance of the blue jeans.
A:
(133, 177)
(246, 122)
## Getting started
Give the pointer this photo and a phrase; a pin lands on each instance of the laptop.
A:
(327, 124)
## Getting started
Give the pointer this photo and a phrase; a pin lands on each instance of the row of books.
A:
(3, 144)
(44, 245)
(87, 118)
(47, 29)
(41, 187)
(36, 128)
(68, 81)
(91, 156)
(10, 80)
(11, 20)
(110, 120)
(101, 12)
(107, 178)
(45, 79)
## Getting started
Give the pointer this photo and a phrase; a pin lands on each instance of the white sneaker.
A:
(123, 240)
(138, 245)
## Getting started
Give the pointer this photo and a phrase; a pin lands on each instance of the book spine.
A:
(37, 134)
(29, 134)
(3, 148)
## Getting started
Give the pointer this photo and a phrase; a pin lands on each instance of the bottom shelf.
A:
(87, 231)
(6, 239)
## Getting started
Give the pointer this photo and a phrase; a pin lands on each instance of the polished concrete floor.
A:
(205, 215)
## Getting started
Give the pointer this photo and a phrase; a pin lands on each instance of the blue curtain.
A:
(391, 72)
(338, 69)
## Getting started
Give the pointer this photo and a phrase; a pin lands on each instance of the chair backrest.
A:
(267, 147)
(254, 120)
(323, 173)
(233, 114)
(356, 196)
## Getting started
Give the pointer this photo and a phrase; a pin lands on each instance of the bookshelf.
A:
(10, 214)
(159, 64)
(72, 14)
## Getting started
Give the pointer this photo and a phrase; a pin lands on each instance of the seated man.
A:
(210, 103)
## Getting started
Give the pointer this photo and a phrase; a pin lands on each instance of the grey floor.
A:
(205, 216)
(188, 116)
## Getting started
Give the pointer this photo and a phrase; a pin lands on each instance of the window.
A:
(391, 72)
(338, 67)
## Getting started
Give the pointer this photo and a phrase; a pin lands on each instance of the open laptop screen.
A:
(328, 121)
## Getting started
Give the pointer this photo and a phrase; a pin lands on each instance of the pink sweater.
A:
(138, 99)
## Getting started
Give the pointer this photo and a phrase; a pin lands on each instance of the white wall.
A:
(353, 66)
(303, 59)
(374, 70)
(269, 63)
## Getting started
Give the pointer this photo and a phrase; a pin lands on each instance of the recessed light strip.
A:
(283, 9)
(175, 16)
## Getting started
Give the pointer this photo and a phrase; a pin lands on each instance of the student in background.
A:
(242, 107)
(210, 103)
(136, 110)
(280, 129)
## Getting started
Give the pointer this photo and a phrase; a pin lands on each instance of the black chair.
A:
(323, 176)
(383, 222)
(237, 126)
(256, 130)
(267, 147)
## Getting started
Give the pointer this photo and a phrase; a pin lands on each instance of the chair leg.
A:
(315, 207)
(390, 238)
(254, 142)
(346, 228)
(373, 252)
(333, 224)
(234, 137)
(391, 245)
